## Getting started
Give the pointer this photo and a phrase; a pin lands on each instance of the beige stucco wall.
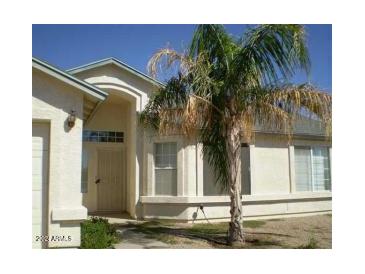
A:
(113, 114)
(272, 162)
(272, 174)
(52, 102)
(111, 76)
(272, 182)
(271, 169)
(135, 91)
(254, 207)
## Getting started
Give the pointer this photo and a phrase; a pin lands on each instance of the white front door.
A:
(110, 180)
(40, 143)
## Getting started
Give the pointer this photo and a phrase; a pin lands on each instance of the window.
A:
(211, 188)
(312, 169)
(165, 169)
(245, 170)
(321, 169)
(103, 136)
(84, 171)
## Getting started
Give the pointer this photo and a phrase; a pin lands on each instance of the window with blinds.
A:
(312, 169)
(166, 169)
(321, 169)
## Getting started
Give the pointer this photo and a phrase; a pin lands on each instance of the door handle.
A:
(97, 181)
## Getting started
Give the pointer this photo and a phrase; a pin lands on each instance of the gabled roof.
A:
(69, 79)
(118, 63)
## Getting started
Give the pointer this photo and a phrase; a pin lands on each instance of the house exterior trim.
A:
(69, 79)
(115, 61)
(225, 199)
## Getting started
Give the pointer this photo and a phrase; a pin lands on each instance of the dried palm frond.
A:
(169, 119)
(303, 100)
(247, 120)
(164, 59)
(221, 79)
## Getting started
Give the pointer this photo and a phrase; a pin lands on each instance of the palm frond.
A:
(215, 42)
(270, 53)
(221, 80)
(290, 103)
(164, 59)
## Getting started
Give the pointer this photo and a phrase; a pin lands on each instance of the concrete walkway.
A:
(129, 238)
(136, 240)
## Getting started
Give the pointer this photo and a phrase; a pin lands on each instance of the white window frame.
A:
(155, 167)
(312, 173)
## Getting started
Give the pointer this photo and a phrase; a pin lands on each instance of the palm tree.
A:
(226, 86)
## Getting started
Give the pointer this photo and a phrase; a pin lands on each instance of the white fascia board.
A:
(69, 79)
(119, 64)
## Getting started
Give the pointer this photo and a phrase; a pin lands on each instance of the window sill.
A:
(226, 199)
(69, 214)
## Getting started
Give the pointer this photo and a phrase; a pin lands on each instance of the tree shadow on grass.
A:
(215, 235)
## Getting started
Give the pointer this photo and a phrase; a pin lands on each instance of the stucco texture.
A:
(52, 102)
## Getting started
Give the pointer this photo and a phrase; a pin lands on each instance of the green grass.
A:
(275, 220)
(168, 232)
(220, 229)
(209, 229)
(253, 224)
(158, 230)
(215, 233)
(149, 228)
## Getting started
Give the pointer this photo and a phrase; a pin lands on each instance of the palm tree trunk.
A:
(233, 143)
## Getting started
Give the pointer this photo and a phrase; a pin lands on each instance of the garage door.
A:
(40, 144)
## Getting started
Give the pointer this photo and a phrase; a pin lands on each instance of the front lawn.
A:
(301, 232)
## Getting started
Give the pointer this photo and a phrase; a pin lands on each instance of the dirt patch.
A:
(299, 232)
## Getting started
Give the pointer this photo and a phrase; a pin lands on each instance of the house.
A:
(91, 155)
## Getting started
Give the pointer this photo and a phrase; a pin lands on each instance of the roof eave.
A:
(68, 78)
(118, 63)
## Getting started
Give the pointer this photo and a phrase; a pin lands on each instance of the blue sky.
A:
(68, 46)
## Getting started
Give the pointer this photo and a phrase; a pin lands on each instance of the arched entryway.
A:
(128, 93)
(109, 153)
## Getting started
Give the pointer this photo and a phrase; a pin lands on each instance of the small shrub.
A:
(97, 233)
(312, 244)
